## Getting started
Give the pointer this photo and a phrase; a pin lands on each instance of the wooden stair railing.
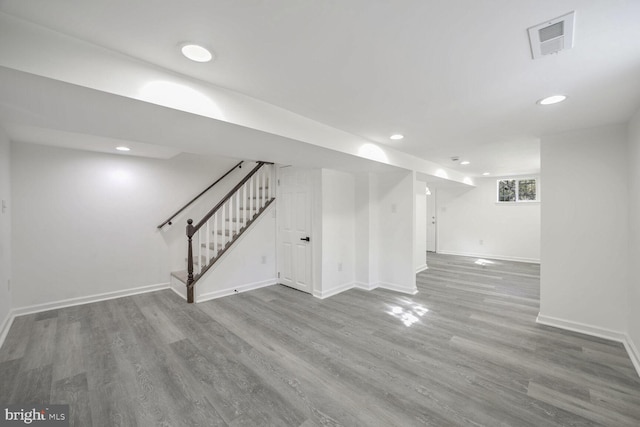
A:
(214, 234)
(168, 220)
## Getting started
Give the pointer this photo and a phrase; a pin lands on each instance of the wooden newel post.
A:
(190, 233)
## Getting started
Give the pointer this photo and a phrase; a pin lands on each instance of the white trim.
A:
(334, 291)
(634, 354)
(6, 325)
(422, 268)
(595, 331)
(500, 257)
(397, 288)
(581, 328)
(32, 309)
(88, 299)
(235, 290)
(365, 286)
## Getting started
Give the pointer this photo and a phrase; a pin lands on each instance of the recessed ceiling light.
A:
(123, 148)
(552, 99)
(486, 173)
(465, 162)
(396, 137)
(196, 53)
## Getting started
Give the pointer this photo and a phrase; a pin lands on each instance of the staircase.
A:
(211, 237)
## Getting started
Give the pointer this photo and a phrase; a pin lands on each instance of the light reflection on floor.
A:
(410, 313)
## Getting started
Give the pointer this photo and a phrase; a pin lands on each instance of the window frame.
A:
(517, 189)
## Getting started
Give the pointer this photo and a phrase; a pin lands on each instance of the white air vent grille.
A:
(552, 36)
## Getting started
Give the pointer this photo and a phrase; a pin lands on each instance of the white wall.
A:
(338, 231)
(250, 264)
(363, 247)
(85, 223)
(394, 230)
(5, 229)
(584, 230)
(470, 222)
(633, 161)
(420, 251)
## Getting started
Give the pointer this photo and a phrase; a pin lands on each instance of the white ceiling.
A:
(455, 77)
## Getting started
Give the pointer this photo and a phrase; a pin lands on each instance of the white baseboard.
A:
(235, 290)
(397, 288)
(6, 325)
(595, 331)
(21, 311)
(335, 291)
(422, 268)
(634, 354)
(581, 328)
(365, 286)
(489, 256)
(37, 308)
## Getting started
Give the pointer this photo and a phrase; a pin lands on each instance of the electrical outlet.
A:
(339, 266)
(481, 242)
(264, 259)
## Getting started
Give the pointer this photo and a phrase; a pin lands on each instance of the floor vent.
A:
(552, 36)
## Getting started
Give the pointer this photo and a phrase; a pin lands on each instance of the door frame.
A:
(432, 197)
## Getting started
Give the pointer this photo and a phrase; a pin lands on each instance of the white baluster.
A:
(223, 223)
(267, 179)
(207, 242)
(260, 189)
(237, 197)
(250, 200)
(199, 250)
(230, 215)
(215, 234)
(245, 214)
(274, 181)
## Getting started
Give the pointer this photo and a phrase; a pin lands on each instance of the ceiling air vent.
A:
(552, 36)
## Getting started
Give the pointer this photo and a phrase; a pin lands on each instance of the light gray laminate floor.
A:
(464, 351)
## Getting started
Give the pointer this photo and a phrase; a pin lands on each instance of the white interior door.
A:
(431, 221)
(294, 228)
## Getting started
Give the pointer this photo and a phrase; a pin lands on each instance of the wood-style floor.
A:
(464, 351)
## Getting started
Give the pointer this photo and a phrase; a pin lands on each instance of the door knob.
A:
(306, 239)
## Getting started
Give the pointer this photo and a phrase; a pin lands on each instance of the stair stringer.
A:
(241, 268)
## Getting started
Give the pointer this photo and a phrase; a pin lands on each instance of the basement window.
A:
(517, 190)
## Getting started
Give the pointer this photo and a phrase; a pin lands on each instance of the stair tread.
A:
(212, 245)
(181, 275)
(203, 258)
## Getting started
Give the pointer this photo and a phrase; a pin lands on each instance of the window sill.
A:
(533, 202)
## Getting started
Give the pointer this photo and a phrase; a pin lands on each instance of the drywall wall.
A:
(420, 251)
(633, 161)
(251, 264)
(5, 228)
(85, 223)
(338, 231)
(470, 222)
(362, 230)
(394, 198)
(584, 251)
